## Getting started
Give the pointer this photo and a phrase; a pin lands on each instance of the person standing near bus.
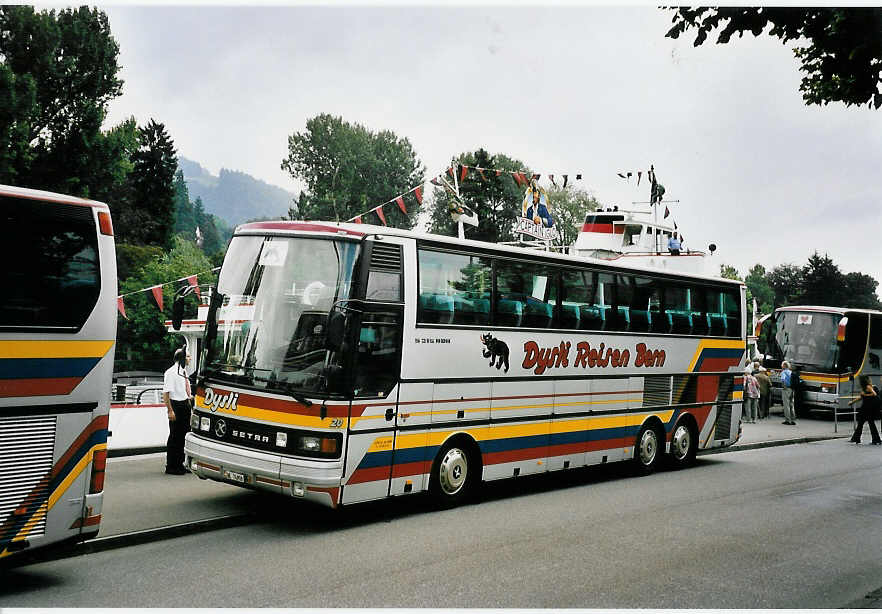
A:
(176, 394)
(751, 395)
(765, 386)
(787, 394)
(867, 412)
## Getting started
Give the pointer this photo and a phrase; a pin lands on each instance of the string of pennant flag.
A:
(521, 178)
(156, 291)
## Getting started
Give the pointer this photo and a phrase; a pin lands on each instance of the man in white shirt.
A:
(176, 394)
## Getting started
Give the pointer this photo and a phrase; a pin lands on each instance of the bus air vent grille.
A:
(26, 449)
(386, 257)
(656, 390)
(727, 385)
(724, 422)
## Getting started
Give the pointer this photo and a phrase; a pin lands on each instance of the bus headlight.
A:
(828, 388)
(317, 445)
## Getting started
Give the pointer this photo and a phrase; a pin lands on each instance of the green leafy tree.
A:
(58, 72)
(822, 283)
(185, 217)
(148, 218)
(568, 207)
(349, 169)
(211, 241)
(842, 59)
(785, 280)
(861, 290)
(142, 339)
(495, 198)
(759, 287)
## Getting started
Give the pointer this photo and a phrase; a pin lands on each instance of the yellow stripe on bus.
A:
(74, 473)
(54, 349)
(714, 344)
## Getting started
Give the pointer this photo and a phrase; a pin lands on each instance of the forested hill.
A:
(233, 196)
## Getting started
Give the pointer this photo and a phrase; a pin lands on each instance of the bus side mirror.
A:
(335, 330)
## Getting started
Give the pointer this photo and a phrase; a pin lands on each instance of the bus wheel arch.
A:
(456, 470)
(649, 445)
(684, 442)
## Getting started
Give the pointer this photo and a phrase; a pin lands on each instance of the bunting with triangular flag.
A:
(157, 295)
(400, 202)
(667, 212)
(193, 281)
(121, 307)
(379, 212)
(418, 192)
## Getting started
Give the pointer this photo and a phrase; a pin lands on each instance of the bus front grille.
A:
(26, 448)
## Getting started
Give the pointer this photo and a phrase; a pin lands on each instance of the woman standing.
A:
(867, 412)
(751, 395)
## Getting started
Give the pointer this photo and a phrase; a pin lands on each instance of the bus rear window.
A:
(52, 275)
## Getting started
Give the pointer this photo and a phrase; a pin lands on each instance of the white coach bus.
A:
(57, 334)
(348, 362)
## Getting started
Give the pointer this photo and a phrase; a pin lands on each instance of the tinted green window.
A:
(454, 288)
(525, 294)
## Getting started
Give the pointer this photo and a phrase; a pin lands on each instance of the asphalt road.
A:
(787, 527)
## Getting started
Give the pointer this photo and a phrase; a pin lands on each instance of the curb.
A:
(135, 538)
(770, 444)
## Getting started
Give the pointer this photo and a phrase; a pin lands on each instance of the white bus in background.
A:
(347, 362)
(57, 336)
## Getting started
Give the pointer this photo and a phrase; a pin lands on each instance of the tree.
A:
(349, 169)
(495, 198)
(842, 60)
(211, 241)
(142, 339)
(149, 216)
(185, 218)
(822, 283)
(759, 287)
(785, 280)
(861, 290)
(569, 206)
(58, 73)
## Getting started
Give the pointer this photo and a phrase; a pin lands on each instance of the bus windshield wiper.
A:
(298, 397)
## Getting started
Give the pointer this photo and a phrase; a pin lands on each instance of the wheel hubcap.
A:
(648, 447)
(681, 441)
(453, 471)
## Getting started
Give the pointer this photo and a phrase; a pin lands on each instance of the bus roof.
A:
(362, 230)
(823, 309)
(52, 197)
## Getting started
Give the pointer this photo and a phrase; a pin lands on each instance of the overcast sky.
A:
(567, 89)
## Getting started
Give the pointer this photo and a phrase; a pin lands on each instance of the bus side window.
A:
(454, 288)
(523, 296)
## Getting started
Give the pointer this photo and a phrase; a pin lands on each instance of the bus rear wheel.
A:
(453, 474)
(647, 449)
(684, 443)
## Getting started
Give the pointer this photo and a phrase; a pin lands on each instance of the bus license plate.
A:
(236, 477)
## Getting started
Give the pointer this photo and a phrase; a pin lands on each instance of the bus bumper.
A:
(312, 480)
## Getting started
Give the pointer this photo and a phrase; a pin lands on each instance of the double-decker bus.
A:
(831, 347)
(57, 334)
(348, 362)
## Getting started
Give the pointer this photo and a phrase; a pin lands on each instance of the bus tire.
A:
(648, 448)
(684, 444)
(454, 473)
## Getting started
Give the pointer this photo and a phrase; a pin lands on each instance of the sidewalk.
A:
(771, 432)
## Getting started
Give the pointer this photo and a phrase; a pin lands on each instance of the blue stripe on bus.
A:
(34, 368)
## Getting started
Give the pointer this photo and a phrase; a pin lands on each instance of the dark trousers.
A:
(862, 417)
(177, 430)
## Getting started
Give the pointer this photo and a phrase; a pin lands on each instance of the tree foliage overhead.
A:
(349, 169)
(495, 198)
(840, 49)
(58, 72)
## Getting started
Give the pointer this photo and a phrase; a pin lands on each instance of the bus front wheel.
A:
(453, 474)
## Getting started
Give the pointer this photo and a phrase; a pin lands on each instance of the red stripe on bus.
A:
(299, 226)
(36, 387)
(371, 474)
(409, 469)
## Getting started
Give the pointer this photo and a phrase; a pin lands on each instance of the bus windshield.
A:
(807, 339)
(269, 330)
